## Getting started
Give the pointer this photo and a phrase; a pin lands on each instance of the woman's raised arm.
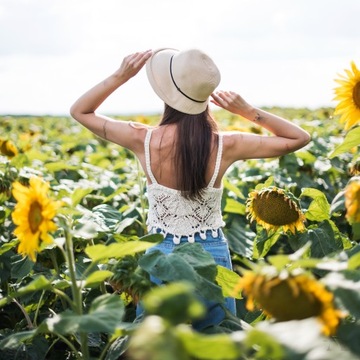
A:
(287, 137)
(83, 110)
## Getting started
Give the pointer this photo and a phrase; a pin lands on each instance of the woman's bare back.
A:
(162, 155)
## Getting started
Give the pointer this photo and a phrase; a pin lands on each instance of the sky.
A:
(272, 52)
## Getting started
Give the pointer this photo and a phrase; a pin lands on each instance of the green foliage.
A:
(351, 140)
(78, 300)
(187, 261)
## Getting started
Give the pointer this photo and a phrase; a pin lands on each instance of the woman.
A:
(185, 157)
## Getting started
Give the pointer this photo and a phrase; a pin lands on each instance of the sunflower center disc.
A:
(274, 209)
(281, 302)
(35, 217)
(356, 95)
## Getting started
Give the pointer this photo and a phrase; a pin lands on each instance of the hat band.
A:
(178, 89)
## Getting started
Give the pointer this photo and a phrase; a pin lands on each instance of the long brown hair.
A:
(193, 148)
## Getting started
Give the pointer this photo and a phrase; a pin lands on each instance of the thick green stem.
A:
(76, 290)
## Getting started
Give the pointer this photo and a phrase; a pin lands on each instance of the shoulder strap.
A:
(218, 161)
(147, 156)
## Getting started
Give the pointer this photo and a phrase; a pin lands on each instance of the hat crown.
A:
(195, 74)
(183, 79)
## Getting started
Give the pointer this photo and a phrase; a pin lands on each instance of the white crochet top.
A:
(173, 214)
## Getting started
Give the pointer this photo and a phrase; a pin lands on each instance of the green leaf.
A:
(299, 259)
(100, 252)
(307, 156)
(20, 266)
(178, 266)
(61, 284)
(354, 261)
(346, 291)
(228, 280)
(356, 231)
(235, 207)
(119, 343)
(240, 237)
(200, 259)
(108, 214)
(79, 194)
(5, 247)
(209, 347)
(39, 283)
(319, 208)
(102, 218)
(105, 314)
(97, 277)
(123, 224)
(348, 334)
(233, 188)
(14, 340)
(264, 241)
(297, 339)
(156, 339)
(267, 345)
(267, 183)
(174, 302)
(60, 166)
(324, 239)
(87, 228)
(351, 140)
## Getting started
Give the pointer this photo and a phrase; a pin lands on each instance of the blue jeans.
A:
(217, 246)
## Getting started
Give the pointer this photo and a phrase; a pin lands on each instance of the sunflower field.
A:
(73, 237)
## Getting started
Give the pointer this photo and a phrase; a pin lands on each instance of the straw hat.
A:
(183, 79)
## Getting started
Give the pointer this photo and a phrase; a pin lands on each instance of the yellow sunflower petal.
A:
(348, 95)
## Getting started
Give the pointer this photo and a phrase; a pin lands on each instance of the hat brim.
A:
(158, 73)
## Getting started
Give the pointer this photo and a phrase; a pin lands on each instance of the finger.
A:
(141, 58)
(222, 98)
(217, 100)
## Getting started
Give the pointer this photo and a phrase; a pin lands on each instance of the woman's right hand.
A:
(132, 64)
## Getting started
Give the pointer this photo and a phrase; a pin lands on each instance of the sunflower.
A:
(290, 297)
(348, 95)
(352, 201)
(7, 148)
(33, 215)
(273, 208)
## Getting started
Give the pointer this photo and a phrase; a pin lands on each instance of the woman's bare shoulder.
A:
(231, 137)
